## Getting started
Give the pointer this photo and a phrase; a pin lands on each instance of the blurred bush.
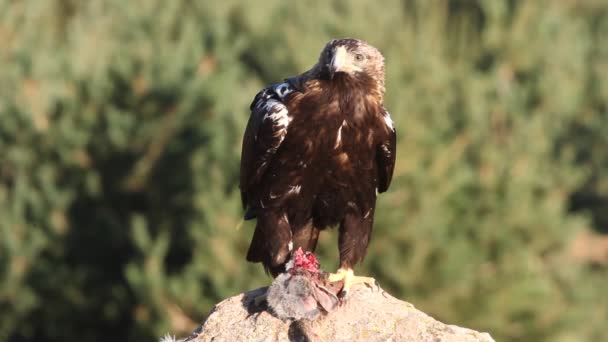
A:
(120, 128)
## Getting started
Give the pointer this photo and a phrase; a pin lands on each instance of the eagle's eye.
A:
(359, 57)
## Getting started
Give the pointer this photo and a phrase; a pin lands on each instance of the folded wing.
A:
(386, 153)
(266, 130)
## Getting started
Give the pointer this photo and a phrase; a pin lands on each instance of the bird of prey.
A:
(317, 150)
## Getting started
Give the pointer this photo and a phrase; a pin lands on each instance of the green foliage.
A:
(120, 131)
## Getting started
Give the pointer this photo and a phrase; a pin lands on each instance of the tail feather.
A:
(256, 248)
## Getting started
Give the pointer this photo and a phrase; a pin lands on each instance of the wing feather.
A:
(386, 153)
(266, 130)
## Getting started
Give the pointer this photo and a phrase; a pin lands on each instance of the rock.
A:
(366, 315)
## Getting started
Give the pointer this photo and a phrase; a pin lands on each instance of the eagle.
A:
(317, 150)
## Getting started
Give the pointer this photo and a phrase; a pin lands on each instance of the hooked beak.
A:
(337, 61)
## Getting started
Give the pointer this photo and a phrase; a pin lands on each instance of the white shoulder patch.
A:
(388, 120)
(283, 89)
(277, 112)
(273, 114)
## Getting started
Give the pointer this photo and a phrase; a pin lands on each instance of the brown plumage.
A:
(317, 150)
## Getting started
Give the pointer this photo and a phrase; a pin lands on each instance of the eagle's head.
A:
(349, 57)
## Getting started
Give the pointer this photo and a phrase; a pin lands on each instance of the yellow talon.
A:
(348, 277)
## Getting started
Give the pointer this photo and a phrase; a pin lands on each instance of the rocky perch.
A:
(367, 315)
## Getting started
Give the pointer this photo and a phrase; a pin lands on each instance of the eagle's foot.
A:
(347, 276)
